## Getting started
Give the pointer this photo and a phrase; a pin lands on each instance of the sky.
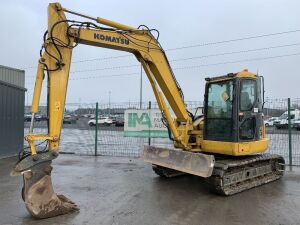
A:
(181, 24)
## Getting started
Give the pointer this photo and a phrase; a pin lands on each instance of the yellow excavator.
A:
(225, 145)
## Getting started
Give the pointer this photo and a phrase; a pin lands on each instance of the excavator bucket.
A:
(188, 162)
(40, 199)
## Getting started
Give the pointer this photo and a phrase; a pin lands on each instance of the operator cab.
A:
(233, 110)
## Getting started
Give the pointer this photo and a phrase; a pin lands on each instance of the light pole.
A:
(109, 102)
(141, 87)
(26, 108)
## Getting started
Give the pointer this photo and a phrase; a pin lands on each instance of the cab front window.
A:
(219, 110)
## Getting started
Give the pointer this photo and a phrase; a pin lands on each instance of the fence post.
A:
(290, 133)
(149, 138)
(96, 130)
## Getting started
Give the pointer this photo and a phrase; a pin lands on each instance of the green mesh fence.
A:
(78, 134)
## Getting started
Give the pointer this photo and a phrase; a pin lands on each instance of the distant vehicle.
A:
(76, 116)
(87, 115)
(270, 122)
(296, 124)
(38, 117)
(101, 120)
(282, 121)
(119, 122)
(114, 119)
(27, 117)
(44, 117)
(68, 119)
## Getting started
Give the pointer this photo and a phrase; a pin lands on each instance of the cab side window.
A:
(247, 95)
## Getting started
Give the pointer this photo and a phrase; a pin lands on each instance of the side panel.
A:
(235, 148)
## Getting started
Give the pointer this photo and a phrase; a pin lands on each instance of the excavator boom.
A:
(54, 64)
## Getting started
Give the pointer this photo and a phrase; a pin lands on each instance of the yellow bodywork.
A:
(148, 51)
(235, 148)
(186, 130)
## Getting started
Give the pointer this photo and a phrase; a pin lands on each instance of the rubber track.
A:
(265, 168)
(226, 166)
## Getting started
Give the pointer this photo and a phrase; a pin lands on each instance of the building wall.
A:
(12, 76)
(12, 98)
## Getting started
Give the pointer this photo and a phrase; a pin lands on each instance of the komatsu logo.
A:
(108, 38)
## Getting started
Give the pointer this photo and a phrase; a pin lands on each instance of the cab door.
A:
(249, 110)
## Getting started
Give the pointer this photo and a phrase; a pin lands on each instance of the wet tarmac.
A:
(115, 190)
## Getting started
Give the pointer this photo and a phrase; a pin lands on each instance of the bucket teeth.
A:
(40, 199)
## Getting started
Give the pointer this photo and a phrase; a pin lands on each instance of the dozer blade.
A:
(40, 199)
(188, 162)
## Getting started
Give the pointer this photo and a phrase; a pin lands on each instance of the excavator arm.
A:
(54, 64)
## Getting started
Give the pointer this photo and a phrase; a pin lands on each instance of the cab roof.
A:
(243, 74)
